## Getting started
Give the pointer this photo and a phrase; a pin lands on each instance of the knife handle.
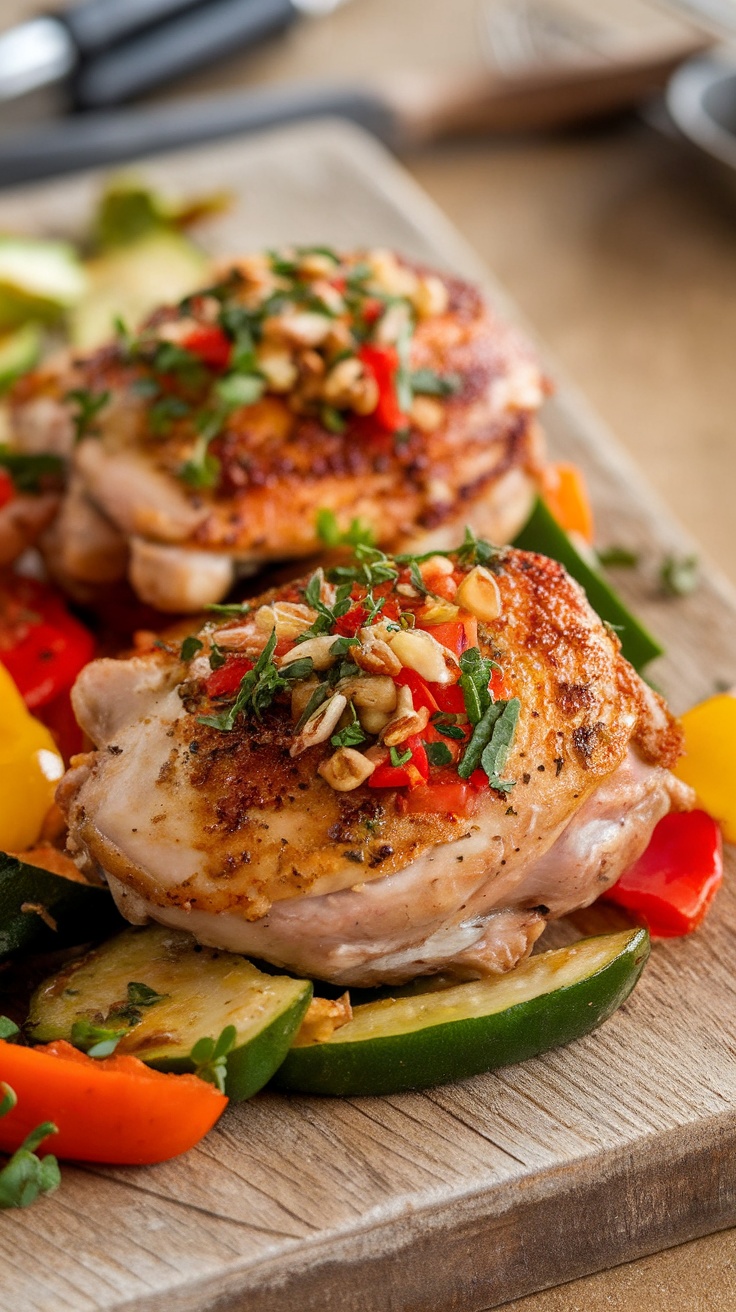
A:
(200, 35)
(95, 25)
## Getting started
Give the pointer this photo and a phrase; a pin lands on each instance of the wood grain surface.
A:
(469, 1195)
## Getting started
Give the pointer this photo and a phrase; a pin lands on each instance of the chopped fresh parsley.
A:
(615, 557)
(438, 753)
(31, 473)
(190, 646)
(329, 531)
(371, 567)
(258, 687)
(210, 1057)
(427, 383)
(98, 1040)
(352, 735)
(8, 1028)
(398, 758)
(88, 406)
(26, 1177)
(332, 419)
(447, 725)
(678, 575)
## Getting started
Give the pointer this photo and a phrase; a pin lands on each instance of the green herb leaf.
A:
(217, 656)
(445, 723)
(210, 1057)
(617, 557)
(296, 670)
(494, 755)
(398, 758)
(332, 419)
(438, 753)
(256, 692)
(428, 383)
(8, 1030)
(239, 389)
(329, 532)
(480, 739)
(142, 995)
(25, 1177)
(97, 1040)
(475, 676)
(352, 734)
(190, 646)
(477, 551)
(678, 575)
(89, 404)
(315, 701)
(370, 568)
(31, 473)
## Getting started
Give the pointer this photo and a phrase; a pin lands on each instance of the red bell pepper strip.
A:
(675, 880)
(383, 363)
(348, 624)
(421, 691)
(226, 680)
(451, 797)
(449, 697)
(457, 635)
(210, 344)
(115, 1110)
(409, 775)
(42, 646)
(7, 488)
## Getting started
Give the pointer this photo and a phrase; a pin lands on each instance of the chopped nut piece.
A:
(426, 413)
(320, 725)
(278, 368)
(346, 769)
(319, 649)
(301, 327)
(391, 276)
(406, 721)
(374, 655)
(324, 1016)
(421, 652)
(376, 693)
(479, 594)
(289, 618)
(430, 297)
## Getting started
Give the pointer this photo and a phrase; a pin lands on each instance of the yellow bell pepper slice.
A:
(708, 763)
(30, 768)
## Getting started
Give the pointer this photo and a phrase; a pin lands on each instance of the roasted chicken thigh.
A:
(404, 767)
(301, 391)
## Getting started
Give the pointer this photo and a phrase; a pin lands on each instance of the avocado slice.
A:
(197, 992)
(422, 1039)
(19, 351)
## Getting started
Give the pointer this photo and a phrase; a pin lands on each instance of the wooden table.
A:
(623, 257)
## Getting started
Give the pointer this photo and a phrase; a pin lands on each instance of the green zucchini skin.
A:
(83, 913)
(458, 1049)
(251, 1066)
(201, 991)
(543, 534)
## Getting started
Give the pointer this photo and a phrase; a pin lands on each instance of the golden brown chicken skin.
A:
(300, 382)
(405, 768)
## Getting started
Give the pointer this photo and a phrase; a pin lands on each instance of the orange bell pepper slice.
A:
(115, 1110)
(565, 492)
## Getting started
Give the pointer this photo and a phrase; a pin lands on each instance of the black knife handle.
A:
(96, 25)
(203, 35)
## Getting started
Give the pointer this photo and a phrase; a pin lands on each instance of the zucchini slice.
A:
(39, 280)
(543, 534)
(418, 1040)
(40, 911)
(197, 992)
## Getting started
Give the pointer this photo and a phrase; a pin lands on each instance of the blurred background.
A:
(586, 152)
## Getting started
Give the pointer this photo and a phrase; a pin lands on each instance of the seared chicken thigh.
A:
(405, 767)
(300, 382)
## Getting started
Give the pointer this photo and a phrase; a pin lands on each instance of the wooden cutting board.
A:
(470, 1195)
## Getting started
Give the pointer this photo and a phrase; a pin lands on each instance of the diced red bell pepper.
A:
(478, 779)
(451, 797)
(457, 635)
(420, 690)
(42, 646)
(210, 344)
(7, 488)
(349, 623)
(383, 363)
(675, 880)
(372, 309)
(449, 697)
(226, 680)
(415, 771)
